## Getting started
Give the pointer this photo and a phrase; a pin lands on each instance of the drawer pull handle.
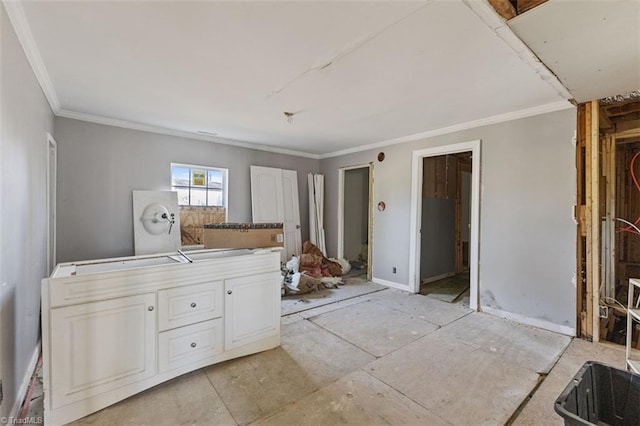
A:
(193, 305)
(150, 308)
(193, 344)
(229, 291)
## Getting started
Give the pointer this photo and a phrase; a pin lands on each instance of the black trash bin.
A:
(601, 395)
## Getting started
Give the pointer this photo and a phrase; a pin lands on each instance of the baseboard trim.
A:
(437, 278)
(391, 284)
(546, 325)
(26, 380)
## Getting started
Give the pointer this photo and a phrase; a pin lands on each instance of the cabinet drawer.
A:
(187, 305)
(189, 344)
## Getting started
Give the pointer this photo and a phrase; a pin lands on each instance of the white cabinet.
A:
(114, 328)
(242, 325)
(96, 347)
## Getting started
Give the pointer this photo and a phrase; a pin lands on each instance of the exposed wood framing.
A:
(608, 135)
(593, 247)
(631, 133)
(614, 111)
(627, 126)
(581, 308)
(605, 122)
(524, 5)
(588, 215)
(510, 9)
(589, 172)
(504, 8)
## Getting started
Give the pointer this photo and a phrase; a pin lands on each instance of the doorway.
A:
(445, 225)
(608, 202)
(445, 202)
(355, 216)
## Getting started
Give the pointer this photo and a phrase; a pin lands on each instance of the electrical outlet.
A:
(394, 269)
(604, 312)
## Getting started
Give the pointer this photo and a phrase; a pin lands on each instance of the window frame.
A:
(191, 167)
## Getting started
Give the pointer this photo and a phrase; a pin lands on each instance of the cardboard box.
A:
(243, 235)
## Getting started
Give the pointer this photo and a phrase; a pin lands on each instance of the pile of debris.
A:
(312, 271)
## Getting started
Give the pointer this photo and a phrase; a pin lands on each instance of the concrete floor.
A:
(385, 357)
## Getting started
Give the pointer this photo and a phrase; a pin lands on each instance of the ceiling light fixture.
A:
(289, 116)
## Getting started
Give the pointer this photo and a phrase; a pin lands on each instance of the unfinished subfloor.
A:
(385, 357)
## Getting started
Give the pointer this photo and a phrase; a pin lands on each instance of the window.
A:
(199, 185)
(202, 196)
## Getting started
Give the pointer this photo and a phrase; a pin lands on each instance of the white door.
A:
(292, 235)
(274, 198)
(267, 203)
(251, 309)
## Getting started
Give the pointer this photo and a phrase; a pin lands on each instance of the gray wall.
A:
(25, 119)
(100, 165)
(356, 206)
(438, 238)
(527, 233)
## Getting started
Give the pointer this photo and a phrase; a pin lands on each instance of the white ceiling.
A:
(593, 47)
(354, 73)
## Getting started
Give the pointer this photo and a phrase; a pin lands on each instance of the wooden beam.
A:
(614, 111)
(627, 126)
(524, 5)
(589, 206)
(504, 8)
(595, 218)
(605, 123)
(631, 133)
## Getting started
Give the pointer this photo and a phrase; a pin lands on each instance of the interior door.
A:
(267, 203)
(274, 198)
(291, 210)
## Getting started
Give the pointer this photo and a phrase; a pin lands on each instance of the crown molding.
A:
(514, 115)
(23, 32)
(179, 133)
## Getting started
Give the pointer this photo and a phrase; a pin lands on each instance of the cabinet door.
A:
(97, 347)
(252, 309)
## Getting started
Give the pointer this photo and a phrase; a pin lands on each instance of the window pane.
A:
(198, 177)
(215, 198)
(179, 176)
(198, 197)
(183, 196)
(215, 179)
